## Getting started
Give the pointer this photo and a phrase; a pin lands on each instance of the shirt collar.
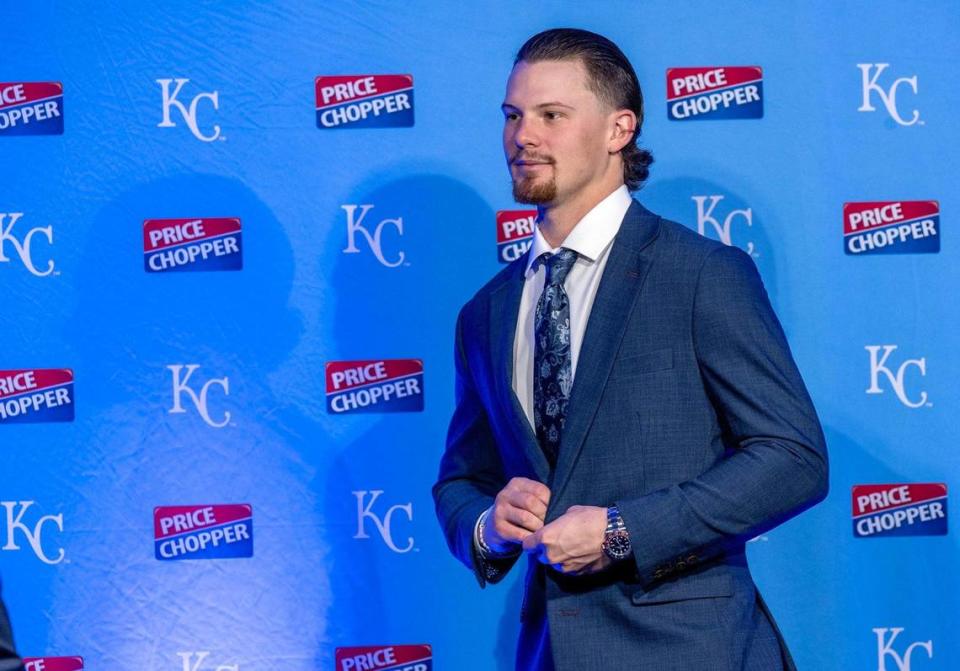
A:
(592, 234)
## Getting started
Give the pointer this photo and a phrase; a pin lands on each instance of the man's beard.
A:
(533, 191)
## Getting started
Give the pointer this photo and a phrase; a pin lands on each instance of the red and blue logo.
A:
(203, 532)
(918, 509)
(385, 658)
(364, 101)
(171, 245)
(514, 233)
(53, 663)
(891, 227)
(383, 385)
(36, 395)
(715, 92)
(31, 108)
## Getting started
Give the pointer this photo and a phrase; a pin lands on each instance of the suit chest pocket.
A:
(643, 362)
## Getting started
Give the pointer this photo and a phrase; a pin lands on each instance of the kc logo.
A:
(355, 224)
(22, 248)
(194, 661)
(885, 649)
(383, 525)
(189, 114)
(878, 365)
(705, 216)
(32, 535)
(889, 96)
(199, 400)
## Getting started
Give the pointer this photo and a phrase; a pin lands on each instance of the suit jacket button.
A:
(692, 559)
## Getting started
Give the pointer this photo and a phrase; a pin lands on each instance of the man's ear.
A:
(624, 125)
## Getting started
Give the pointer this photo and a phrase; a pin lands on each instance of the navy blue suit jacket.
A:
(8, 656)
(688, 412)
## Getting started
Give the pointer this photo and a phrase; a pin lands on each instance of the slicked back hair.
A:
(609, 75)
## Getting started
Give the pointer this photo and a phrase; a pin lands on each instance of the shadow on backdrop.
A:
(113, 600)
(408, 311)
(731, 217)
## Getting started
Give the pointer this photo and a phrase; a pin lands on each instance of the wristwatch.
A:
(616, 540)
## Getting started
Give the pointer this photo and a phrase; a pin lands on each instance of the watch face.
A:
(617, 546)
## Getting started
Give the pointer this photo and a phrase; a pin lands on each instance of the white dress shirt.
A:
(591, 239)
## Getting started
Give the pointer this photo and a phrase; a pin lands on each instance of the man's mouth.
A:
(531, 161)
(531, 164)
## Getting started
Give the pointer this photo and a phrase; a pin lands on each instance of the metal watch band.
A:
(485, 550)
(615, 520)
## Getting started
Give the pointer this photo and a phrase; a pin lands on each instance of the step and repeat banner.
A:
(234, 238)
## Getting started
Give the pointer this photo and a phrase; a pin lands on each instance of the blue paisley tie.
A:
(552, 374)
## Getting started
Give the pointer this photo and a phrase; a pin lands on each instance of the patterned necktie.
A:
(552, 374)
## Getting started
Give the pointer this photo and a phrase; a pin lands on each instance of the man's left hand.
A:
(572, 543)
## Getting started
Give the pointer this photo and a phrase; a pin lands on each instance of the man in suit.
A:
(628, 413)
(8, 656)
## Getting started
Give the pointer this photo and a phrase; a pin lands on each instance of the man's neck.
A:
(556, 221)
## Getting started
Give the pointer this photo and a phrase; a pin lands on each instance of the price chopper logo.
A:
(203, 532)
(715, 92)
(385, 658)
(189, 114)
(885, 649)
(15, 512)
(53, 663)
(514, 233)
(31, 108)
(364, 101)
(36, 395)
(380, 385)
(23, 247)
(891, 227)
(900, 510)
(870, 75)
(192, 244)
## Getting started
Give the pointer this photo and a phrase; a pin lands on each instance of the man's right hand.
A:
(518, 511)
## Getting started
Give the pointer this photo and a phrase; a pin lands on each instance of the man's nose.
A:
(524, 134)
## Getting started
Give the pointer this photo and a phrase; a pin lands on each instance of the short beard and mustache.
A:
(532, 190)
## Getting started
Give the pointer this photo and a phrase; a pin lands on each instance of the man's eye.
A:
(511, 116)
(553, 116)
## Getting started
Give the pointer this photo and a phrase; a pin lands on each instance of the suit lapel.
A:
(623, 276)
(504, 308)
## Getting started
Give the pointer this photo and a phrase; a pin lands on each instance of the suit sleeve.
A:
(8, 656)
(471, 472)
(778, 466)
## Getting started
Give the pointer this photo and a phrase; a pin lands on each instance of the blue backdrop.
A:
(858, 106)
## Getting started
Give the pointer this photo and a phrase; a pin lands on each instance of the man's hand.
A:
(518, 511)
(572, 542)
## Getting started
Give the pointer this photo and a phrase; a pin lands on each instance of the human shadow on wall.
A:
(828, 589)
(723, 212)
(116, 602)
(448, 248)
